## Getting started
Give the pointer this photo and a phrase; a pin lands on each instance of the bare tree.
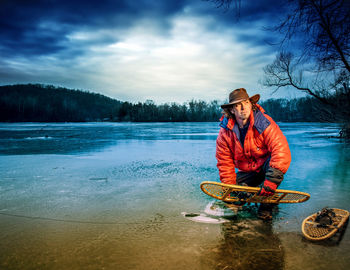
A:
(322, 27)
(318, 31)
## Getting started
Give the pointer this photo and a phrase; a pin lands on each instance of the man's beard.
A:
(244, 116)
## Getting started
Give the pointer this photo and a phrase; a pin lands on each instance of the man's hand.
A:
(268, 188)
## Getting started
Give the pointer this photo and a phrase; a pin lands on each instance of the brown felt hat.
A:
(240, 95)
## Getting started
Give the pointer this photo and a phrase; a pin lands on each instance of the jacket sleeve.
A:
(280, 153)
(224, 158)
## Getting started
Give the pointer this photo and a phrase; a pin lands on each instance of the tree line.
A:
(46, 103)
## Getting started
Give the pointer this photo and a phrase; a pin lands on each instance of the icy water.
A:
(110, 196)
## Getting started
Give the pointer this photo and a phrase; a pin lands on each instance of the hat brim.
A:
(253, 99)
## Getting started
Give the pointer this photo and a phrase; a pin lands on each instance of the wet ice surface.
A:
(111, 195)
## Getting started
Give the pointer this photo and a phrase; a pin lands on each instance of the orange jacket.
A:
(264, 139)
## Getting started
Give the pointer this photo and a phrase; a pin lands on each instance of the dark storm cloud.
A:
(255, 19)
(268, 10)
(252, 20)
(42, 26)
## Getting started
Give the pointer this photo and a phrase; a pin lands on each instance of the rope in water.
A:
(79, 221)
(71, 220)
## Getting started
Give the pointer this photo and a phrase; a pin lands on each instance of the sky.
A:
(165, 51)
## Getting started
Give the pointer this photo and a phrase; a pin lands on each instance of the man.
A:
(252, 142)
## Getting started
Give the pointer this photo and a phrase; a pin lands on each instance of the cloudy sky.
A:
(164, 50)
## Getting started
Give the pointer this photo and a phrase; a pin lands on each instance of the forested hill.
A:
(45, 103)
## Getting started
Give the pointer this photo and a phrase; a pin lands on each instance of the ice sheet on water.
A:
(219, 209)
(203, 218)
(80, 138)
(39, 138)
(109, 163)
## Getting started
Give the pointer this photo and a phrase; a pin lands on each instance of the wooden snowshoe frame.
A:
(315, 232)
(236, 193)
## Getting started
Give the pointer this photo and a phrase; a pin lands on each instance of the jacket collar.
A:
(227, 123)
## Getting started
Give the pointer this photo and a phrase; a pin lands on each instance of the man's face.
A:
(242, 110)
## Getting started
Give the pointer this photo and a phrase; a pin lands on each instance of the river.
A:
(110, 196)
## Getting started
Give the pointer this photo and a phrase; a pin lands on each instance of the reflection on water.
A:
(110, 195)
(249, 244)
